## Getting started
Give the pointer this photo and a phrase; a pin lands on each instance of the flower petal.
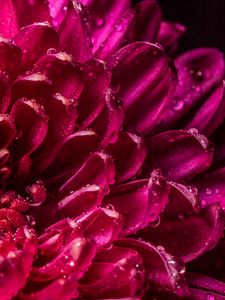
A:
(74, 32)
(139, 202)
(163, 271)
(143, 76)
(98, 169)
(211, 113)
(169, 35)
(195, 234)
(7, 131)
(129, 153)
(199, 71)
(179, 154)
(31, 122)
(35, 40)
(64, 74)
(91, 101)
(101, 224)
(108, 123)
(117, 272)
(80, 202)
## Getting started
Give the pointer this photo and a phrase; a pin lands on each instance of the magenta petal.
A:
(69, 155)
(108, 123)
(148, 18)
(211, 187)
(8, 19)
(64, 74)
(96, 83)
(10, 59)
(74, 32)
(62, 288)
(163, 271)
(35, 40)
(75, 257)
(169, 35)
(105, 15)
(199, 71)
(79, 202)
(179, 154)
(31, 122)
(7, 131)
(115, 273)
(143, 76)
(139, 202)
(91, 224)
(195, 233)
(98, 169)
(129, 153)
(211, 113)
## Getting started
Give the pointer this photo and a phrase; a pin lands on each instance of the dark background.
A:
(205, 21)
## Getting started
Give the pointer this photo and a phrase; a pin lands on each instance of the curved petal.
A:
(129, 153)
(163, 271)
(101, 224)
(7, 131)
(117, 272)
(98, 169)
(80, 202)
(147, 21)
(108, 123)
(211, 113)
(211, 187)
(143, 76)
(35, 40)
(96, 82)
(179, 154)
(199, 71)
(74, 31)
(139, 202)
(195, 233)
(64, 74)
(169, 34)
(31, 121)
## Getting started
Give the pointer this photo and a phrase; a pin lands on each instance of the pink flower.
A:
(101, 154)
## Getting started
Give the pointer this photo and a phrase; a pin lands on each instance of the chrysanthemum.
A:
(102, 152)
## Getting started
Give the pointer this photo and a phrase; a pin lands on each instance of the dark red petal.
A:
(31, 122)
(199, 71)
(169, 35)
(108, 123)
(139, 202)
(115, 273)
(69, 155)
(10, 57)
(98, 169)
(211, 113)
(74, 32)
(101, 224)
(64, 74)
(35, 40)
(179, 154)
(75, 257)
(63, 288)
(96, 83)
(163, 271)
(129, 152)
(195, 234)
(31, 86)
(105, 15)
(7, 131)
(211, 187)
(79, 202)
(143, 76)
(148, 18)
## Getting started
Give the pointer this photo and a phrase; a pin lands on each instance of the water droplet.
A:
(208, 191)
(72, 264)
(192, 189)
(210, 297)
(155, 223)
(99, 22)
(178, 105)
(110, 206)
(51, 51)
(204, 203)
(161, 248)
